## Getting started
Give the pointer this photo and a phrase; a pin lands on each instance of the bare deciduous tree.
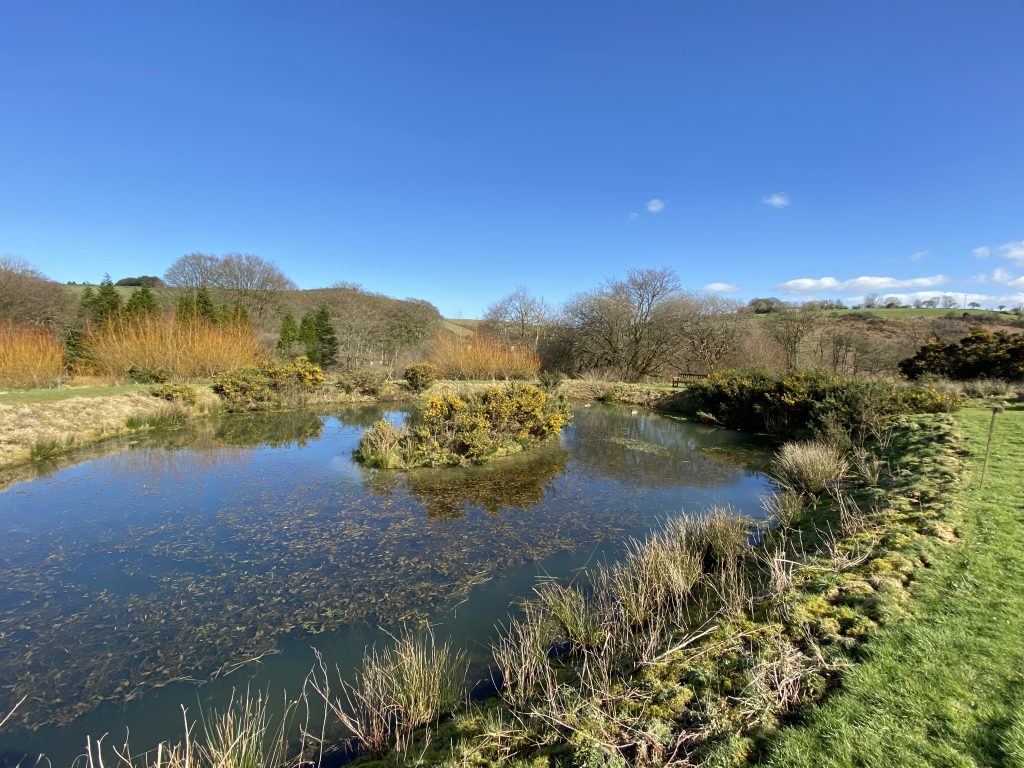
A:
(789, 329)
(710, 327)
(28, 296)
(244, 278)
(628, 326)
(518, 318)
(193, 270)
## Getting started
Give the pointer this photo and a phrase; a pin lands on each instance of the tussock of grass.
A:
(809, 467)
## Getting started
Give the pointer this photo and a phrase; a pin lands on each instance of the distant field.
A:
(461, 327)
(912, 312)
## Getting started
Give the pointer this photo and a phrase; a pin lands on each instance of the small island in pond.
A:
(456, 431)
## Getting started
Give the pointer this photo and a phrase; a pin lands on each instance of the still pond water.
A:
(179, 567)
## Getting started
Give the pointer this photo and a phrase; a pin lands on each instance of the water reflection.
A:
(202, 547)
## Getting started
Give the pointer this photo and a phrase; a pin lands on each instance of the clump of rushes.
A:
(411, 684)
(453, 431)
(809, 467)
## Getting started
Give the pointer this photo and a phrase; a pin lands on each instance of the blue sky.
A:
(453, 150)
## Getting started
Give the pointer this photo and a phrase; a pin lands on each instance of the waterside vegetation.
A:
(708, 639)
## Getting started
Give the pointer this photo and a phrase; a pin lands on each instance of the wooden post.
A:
(988, 447)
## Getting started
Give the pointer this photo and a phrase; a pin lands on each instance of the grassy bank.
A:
(946, 686)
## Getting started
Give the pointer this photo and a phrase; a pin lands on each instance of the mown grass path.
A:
(945, 687)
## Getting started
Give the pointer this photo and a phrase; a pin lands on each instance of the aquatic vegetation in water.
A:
(226, 549)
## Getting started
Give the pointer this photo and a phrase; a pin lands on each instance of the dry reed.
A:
(477, 357)
(190, 349)
(30, 356)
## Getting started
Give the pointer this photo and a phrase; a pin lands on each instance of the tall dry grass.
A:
(477, 357)
(30, 356)
(189, 349)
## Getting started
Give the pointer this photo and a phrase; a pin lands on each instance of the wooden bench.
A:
(679, 378)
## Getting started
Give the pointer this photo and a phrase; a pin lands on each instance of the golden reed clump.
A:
(187, 349)
(477, 357)
(30, 356)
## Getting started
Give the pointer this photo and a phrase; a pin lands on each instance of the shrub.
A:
(189, 349)
(255, 389)
(809, 467)
(370, 380)
(420, 376)
(141, 375)
(798, 404)
(452, 430)
(550, 380)
(478, 357)
(979, 354)
(30, 356)
(176, 393)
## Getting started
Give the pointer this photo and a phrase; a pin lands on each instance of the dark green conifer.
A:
(142, 302)
(289, 335)
(107, 303)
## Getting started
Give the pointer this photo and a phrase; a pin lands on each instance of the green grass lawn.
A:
(53, 394)
(946, 687)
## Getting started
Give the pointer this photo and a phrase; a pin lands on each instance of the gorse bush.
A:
(798, 404)
(979, 354)
(368, 380)
(189, 349)
(30, 356)
(453, 430)
(420, 376)
(269, 386)
(176, 393)
(148, 375)
(478, 357)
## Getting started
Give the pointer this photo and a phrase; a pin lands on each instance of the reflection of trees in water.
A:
(512, 482)
(275, 429)
(648, 450)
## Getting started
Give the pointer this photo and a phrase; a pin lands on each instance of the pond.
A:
(177, 567)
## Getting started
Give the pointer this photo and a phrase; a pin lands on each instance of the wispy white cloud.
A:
(721, 287)
(776, 200)
(981, 252)
(1014, 250)
(1005, 277)
(633, 215)
(867, 283)
(655, 205)
(918, 255)
(991, 301)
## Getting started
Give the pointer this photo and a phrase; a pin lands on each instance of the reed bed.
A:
(30, 356)
(187, 349)
(478, 357)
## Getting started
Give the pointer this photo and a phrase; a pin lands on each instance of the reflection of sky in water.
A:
(200, 547)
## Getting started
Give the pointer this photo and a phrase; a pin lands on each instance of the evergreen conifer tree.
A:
(316, 332)
(197, 304)
(107, 303)
(327, 339)
(289, 335)
(142, 302)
